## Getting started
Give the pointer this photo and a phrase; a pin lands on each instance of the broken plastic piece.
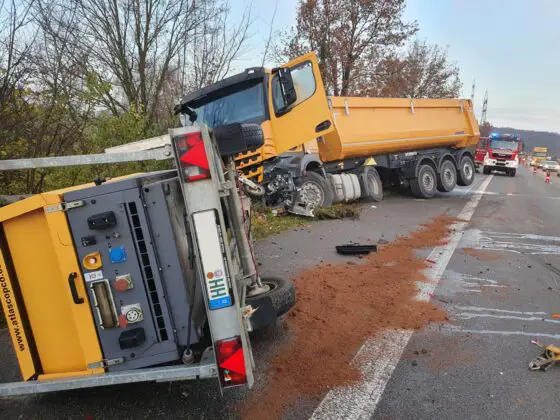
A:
(351, 249)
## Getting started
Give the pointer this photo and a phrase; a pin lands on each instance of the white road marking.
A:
(467, 315)
(384, 351)
(479, 278)
(507, 311)
(455, 329)
(520, 243)
(539, 197)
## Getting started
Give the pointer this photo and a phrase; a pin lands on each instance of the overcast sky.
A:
(511, 48)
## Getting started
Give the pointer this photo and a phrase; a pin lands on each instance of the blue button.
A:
(117, 255)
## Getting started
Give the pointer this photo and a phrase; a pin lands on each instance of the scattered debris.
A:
(549, 356)
(355, 249)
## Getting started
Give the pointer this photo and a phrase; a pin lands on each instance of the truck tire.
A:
(465, 171)
(280, 299)
(425, 185)
(485, 170)
(372, 187)
(447, 177)
(512, 172)
(315, 190)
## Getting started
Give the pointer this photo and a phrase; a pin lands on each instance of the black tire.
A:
(425, 185)
(485, 170)
(465, 171)
(447, 177)
(512, 172)
(313, 184)
(273, 304)
(372, 187)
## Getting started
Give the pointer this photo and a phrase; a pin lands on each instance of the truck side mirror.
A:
(287, 86)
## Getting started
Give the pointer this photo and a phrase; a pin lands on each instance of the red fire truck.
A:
(500, 153)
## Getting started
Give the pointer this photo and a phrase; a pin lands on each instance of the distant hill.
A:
(535, 138)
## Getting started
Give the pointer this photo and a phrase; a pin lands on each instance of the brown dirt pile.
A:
(338, 307)
(482, 254)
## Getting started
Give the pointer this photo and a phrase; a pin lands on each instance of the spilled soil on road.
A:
(338, 307)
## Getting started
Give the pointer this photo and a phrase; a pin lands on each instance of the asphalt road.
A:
(475, 367)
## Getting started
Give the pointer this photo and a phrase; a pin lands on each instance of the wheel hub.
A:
(467, 170)
(428, 182)
(448, 175)
(258, 290)
(312, 194)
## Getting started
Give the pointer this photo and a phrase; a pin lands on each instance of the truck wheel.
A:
(372, 187)
(512, 172)
(315, 190)
(425, 185)
(465, 171)
(278, 300)
(447, 177)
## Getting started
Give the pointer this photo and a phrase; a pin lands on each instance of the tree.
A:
(485, 129)
(135, 53)
(423, 71)
(217, 44)
(351, 37)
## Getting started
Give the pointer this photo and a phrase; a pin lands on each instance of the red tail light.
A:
(192, 156)
(231, 362)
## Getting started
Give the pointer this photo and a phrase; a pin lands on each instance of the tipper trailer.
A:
(321, 149)
(148, 277)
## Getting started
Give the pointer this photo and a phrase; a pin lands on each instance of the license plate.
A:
(211, 249)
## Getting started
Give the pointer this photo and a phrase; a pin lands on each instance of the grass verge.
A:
(265, 222)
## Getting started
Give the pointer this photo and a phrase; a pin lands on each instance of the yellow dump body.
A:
(375, 126)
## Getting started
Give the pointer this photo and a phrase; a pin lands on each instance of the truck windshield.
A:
(504, 144)
(243, 106)
(539, 154)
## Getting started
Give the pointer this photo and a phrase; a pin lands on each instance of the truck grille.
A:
(142, 250)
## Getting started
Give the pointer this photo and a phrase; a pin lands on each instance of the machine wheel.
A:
(447, 177)
(372, 187)
(275, 302)
(315, 190)
(425, 185)
(465, 171)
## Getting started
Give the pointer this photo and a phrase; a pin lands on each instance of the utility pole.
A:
(484, 109)
(472, 91)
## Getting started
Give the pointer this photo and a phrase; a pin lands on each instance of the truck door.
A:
(309, 116)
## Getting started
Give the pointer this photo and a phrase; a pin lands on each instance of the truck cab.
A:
(278, 100)
(502, 153)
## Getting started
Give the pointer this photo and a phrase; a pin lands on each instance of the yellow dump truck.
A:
(321, 149)
(538, 155)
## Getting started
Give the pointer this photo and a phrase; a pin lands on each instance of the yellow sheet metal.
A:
(375, 126)
(40, 247)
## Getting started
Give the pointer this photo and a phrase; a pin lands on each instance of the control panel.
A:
(122, 274)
